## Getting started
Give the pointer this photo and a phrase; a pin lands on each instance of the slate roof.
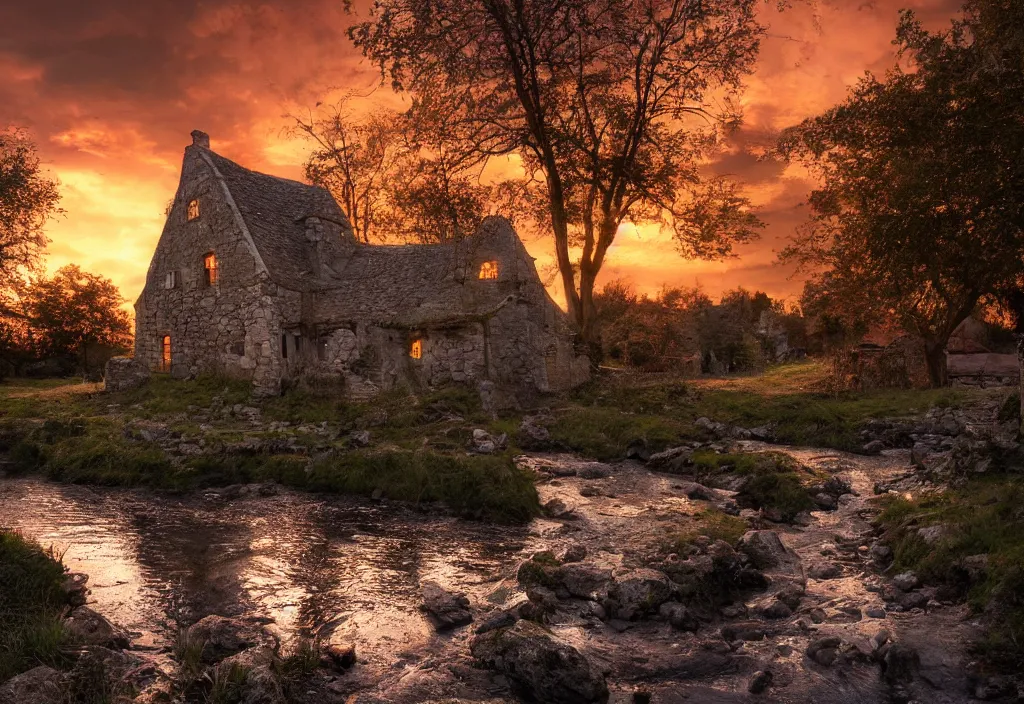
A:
(394, 285)
(274, 210)
(407, 286)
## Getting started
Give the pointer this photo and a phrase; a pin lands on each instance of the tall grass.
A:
(31, 605)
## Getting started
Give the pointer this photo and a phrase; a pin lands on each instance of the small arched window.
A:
(193, 209)
(489, 270)
(210, 269)
(416, 349)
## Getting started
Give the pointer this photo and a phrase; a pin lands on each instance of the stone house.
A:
(261, 278)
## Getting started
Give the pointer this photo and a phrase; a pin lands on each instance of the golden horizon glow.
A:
(111, 94)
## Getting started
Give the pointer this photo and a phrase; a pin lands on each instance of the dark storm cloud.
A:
(110, 90)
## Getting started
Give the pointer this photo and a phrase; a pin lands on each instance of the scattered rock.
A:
(777, 610)
(905, 581)
(743, 630)
(359, 438)
(695, 491)
(447, 609)
(540, 667)
(873, 448)
(341, 656)
(584, 581)
(577, 552)
(678, 616)
(874, 612)
(765, 549)
(123, 374)
(222, 637)
(87, 627)
(40, 685)
(824, 651)
(498, 619)
(75, 589)
(556, 508)
(900, 664)
(639, 592)
(824, 570)
(532, 434)
(761, 680)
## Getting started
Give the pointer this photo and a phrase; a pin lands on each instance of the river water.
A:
(349, 570)
(305, 562)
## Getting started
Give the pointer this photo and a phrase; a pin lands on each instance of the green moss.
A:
(606, 433)
(487, 486)
(539, 570)
(711, 523)
(981, 518)
(774, 480)
(31, 602)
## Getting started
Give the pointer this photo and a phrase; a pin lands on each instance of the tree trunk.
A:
(935, 356)
(590, 334)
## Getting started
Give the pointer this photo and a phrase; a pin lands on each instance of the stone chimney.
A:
(200, 139)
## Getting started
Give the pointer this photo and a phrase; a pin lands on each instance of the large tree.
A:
(920, 214)
(396, 175)
(611, 105)
(74, 310)
(28, 198)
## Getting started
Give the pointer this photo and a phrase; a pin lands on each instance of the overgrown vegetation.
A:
(711, 523)
(978, 554)
(31, 605)
(603, 418)
(772, 480)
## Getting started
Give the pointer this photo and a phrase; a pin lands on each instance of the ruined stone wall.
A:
(229, 327)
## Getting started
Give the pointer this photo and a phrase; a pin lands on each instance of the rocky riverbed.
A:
(587, 604)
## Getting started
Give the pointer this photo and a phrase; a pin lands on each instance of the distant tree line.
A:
(61, 319)
(685, 330)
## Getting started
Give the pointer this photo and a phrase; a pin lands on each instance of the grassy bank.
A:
(181, 435)
(31, 604)
(418, 443)
(605, 417)
(977, 554)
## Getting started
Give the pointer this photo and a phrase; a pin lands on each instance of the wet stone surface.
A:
(802, 617)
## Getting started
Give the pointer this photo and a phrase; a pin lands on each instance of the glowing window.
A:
(165, 354)
(489, 270)
(193, 209)
(210, 268)
(416, 350)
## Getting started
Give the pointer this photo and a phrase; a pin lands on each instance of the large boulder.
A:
(640, 592)
(584, 581)
(765, 549)
(124, 373)
(539, 666)
(446, 609)
(86, 627)
(40, 685)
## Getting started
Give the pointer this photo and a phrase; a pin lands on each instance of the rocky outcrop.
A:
(539, 666)
(638, 593)
(256, 673)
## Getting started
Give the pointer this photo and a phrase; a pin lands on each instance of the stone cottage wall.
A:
(229, 327)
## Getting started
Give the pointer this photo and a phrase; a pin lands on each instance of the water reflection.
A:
(328, 566)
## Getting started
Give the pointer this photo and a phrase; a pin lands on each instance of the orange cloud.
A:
(110, 90)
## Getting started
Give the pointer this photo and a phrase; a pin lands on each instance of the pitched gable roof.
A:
(274, 210)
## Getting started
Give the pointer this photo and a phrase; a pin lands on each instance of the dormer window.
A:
(193, 210)
(416, 349)
(171, 280)
(489, 270)
(210, 270)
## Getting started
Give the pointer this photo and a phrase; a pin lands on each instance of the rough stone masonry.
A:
(261, 278)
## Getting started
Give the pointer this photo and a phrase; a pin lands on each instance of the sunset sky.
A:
(110, 89)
